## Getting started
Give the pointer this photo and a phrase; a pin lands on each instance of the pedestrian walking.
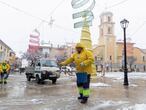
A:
(4, 72)
(83, 60)
(107, 67)
(103, 69)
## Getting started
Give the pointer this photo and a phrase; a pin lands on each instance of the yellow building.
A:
(12, 58)
(5, 51)
(110, 51)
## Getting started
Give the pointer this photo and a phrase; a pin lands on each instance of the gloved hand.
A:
(82, 64)
(62, 64)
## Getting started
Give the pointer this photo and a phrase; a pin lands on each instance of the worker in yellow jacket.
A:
(4, 72)
(83, 60)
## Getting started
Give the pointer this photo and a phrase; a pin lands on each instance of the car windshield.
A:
(48, 63)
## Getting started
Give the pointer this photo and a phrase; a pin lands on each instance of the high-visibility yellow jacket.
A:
(85, 57)
(8, 67)
(4, 68)
(0, 69)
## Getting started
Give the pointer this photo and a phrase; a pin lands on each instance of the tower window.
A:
(109, 30)
(109, 19)
(101, 32)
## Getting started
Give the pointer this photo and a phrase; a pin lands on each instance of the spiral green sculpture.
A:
(86, 13)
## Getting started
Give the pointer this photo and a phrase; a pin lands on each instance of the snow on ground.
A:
(133, 85)
(120, 75)
(135, 107)
(64, 78)
(37, 101)
(102, 105)
(99, 85)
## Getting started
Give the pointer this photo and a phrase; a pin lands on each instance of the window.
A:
(101, 32)
(109, 30)
(143, 58)
(48, 63)
(144, 67)
(10, 54)
(109, 19)
(110, 57)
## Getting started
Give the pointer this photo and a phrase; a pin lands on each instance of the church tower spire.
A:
(106, 27)
(107, 36)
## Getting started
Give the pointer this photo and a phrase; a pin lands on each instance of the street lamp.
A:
(124, 24)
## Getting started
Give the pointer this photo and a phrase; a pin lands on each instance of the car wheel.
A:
(26, 75)
(28, 78)
(38, 80)
(54, 81)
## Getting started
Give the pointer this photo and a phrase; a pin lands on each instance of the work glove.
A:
(62, 64)
(82, 64)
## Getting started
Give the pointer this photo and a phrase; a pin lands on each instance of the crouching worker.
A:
(4, 72)
(83, 60)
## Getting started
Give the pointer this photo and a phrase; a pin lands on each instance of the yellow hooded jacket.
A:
(7, 67)
(85, 57)
(0, 69)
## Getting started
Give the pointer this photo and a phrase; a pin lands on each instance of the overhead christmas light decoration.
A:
(85, 13)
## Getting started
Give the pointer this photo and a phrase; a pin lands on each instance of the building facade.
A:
(109, 50)
(5, 52)
(49, 51)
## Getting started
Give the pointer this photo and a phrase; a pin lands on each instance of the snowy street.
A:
(44, 43)
(107, 93)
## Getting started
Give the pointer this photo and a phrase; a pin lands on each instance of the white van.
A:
(42, 70)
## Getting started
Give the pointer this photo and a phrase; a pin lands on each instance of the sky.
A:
(17, 24)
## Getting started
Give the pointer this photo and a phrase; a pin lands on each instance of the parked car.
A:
(42, 70)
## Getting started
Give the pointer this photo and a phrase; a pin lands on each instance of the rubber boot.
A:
(5, 82)
(80, 97)
(1, 81)
(84, 100)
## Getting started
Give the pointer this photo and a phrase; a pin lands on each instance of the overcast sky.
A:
(15, 26)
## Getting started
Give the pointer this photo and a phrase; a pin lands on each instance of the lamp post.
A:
(124, 24)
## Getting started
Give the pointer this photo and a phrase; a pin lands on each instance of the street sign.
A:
(84, 14)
